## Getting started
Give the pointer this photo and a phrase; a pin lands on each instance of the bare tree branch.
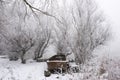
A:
(45, 13)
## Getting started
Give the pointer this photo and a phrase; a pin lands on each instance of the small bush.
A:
(13, 58)
(47, 73)
(102, 71)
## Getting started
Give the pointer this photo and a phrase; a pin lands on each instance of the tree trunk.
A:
(23, 60)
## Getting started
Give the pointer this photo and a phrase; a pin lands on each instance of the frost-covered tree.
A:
(18, 37)
(42, 40)
(19, 42)
(91, 29)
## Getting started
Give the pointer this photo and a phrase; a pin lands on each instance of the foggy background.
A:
(111, 9)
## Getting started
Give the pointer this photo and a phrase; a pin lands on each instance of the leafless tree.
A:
(62, 41)
(19, 40)
(19, 43)
(43, 40)
(91, 29)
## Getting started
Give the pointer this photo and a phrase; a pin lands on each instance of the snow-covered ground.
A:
(14, 70)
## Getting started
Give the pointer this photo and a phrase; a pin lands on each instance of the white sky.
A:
(111, 8)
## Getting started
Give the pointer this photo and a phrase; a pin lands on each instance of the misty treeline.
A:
(31, 26)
